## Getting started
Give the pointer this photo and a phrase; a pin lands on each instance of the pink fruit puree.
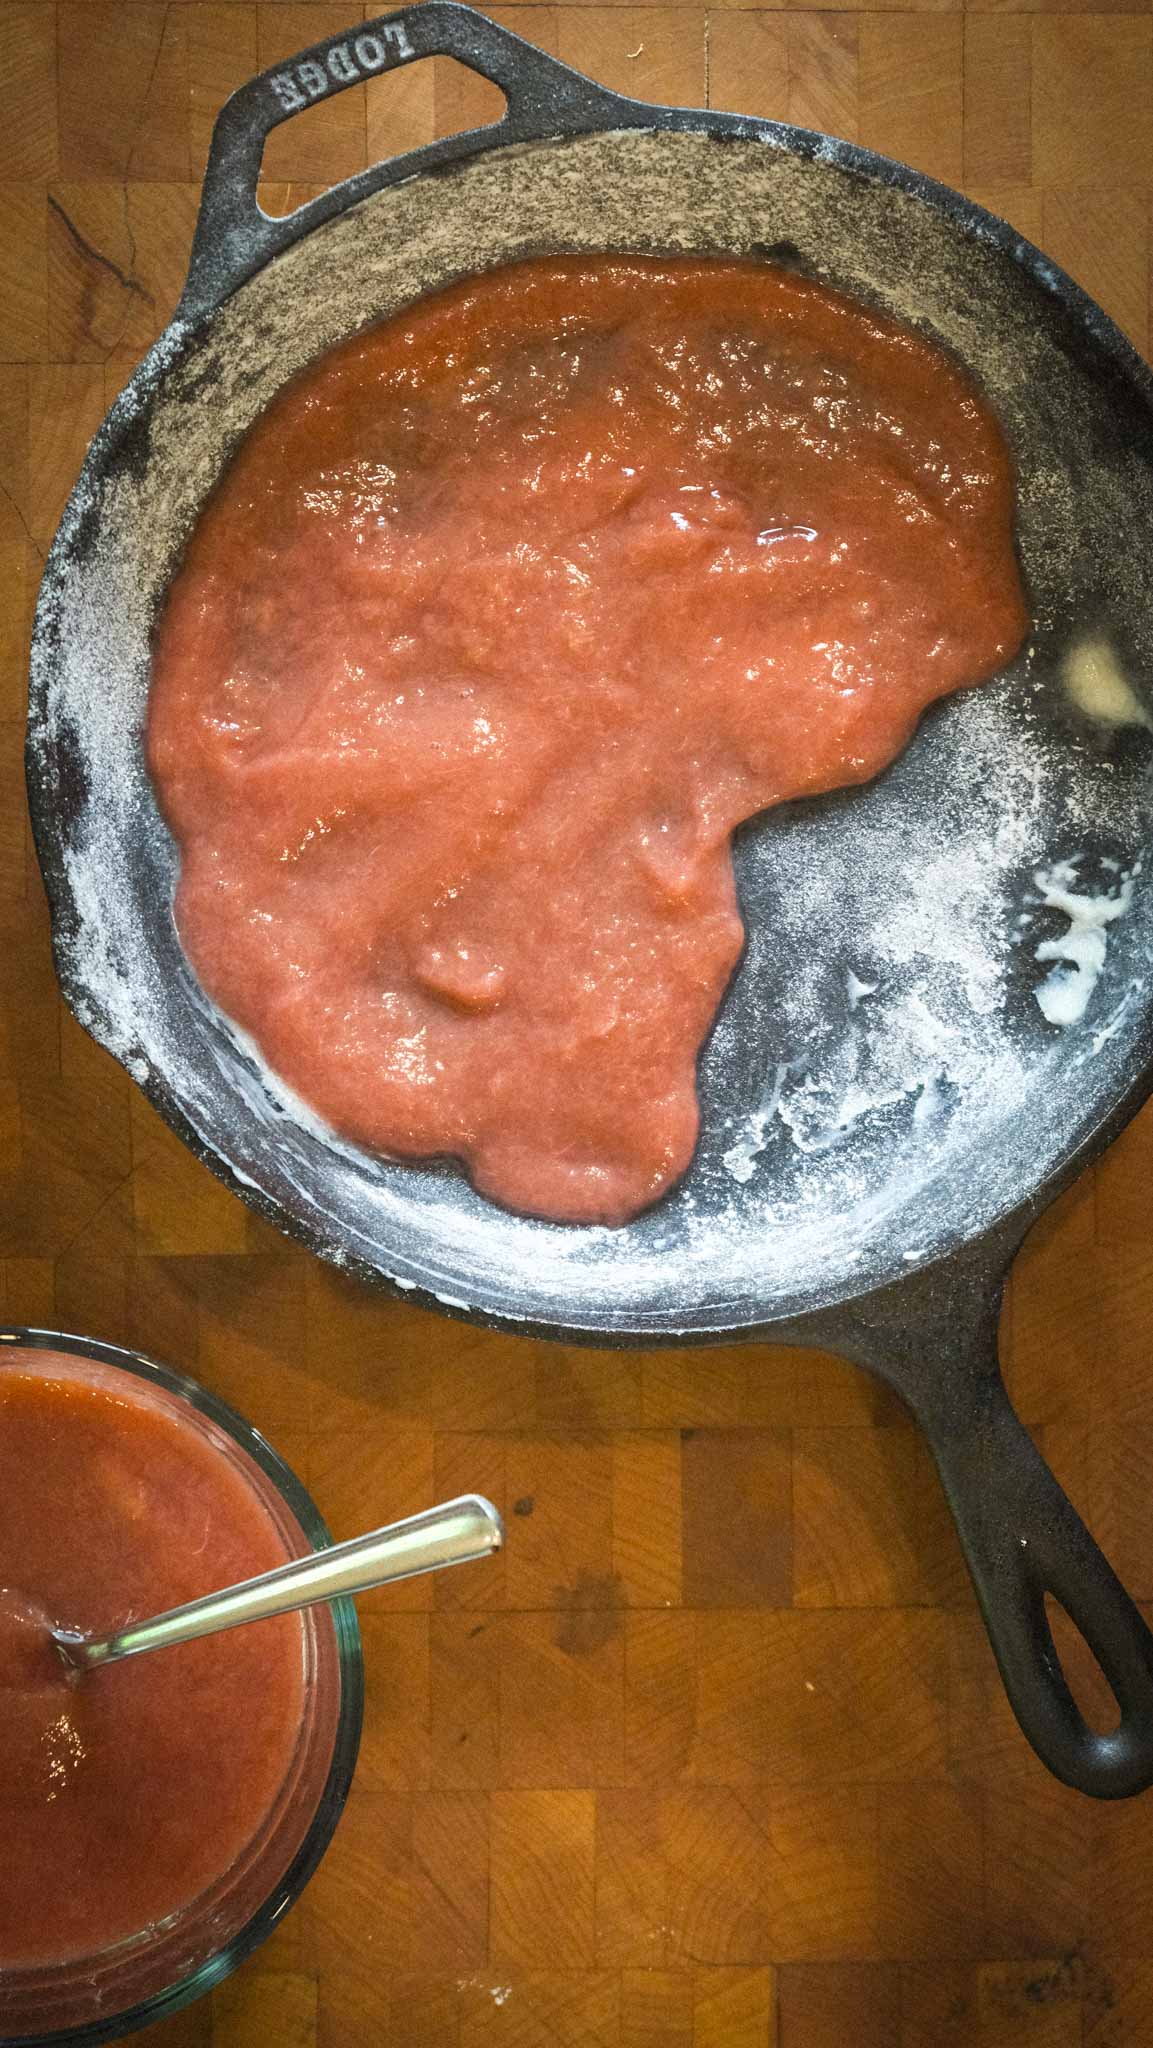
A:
(125, 1792)
(505, 614)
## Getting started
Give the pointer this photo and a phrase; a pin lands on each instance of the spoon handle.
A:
(453, 1534)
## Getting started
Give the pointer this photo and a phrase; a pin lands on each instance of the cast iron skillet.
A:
(868, 1164)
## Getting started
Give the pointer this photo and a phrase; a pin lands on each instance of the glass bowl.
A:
(136, 1982)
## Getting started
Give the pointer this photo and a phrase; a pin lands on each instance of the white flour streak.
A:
(741, 1158)
(858, 989)
(1113, 1026)
(1064, 995)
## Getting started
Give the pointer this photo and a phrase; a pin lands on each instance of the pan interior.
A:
(881, 1080)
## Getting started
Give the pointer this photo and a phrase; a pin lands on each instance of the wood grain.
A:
(715, 1755)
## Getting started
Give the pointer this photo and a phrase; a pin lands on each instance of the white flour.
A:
(1064, 995)
(741, 1158)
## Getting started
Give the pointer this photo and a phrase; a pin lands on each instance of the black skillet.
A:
(868, 1163)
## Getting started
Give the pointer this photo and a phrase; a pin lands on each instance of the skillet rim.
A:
(47, 791)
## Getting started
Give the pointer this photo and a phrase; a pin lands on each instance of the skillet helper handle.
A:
(1022, 1538)
(234, 239)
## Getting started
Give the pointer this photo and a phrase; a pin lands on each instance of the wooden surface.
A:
(715, 1757)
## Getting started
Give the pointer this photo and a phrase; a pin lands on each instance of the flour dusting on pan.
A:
(1063, 996)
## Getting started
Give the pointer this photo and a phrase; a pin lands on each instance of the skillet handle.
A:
(234, 239)
(933, 1337)
(1022, 1538)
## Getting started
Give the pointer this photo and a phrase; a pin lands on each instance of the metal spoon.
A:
(456, 1533)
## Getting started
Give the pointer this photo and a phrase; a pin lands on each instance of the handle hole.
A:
(346, 132)
(278, 197)
(455, 100)
(1095, 1698)
(323, 141)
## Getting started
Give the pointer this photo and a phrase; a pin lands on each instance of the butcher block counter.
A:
(715, 1755)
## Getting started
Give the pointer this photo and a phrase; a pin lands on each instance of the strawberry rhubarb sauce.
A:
(505, 614)
(125, 1792)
